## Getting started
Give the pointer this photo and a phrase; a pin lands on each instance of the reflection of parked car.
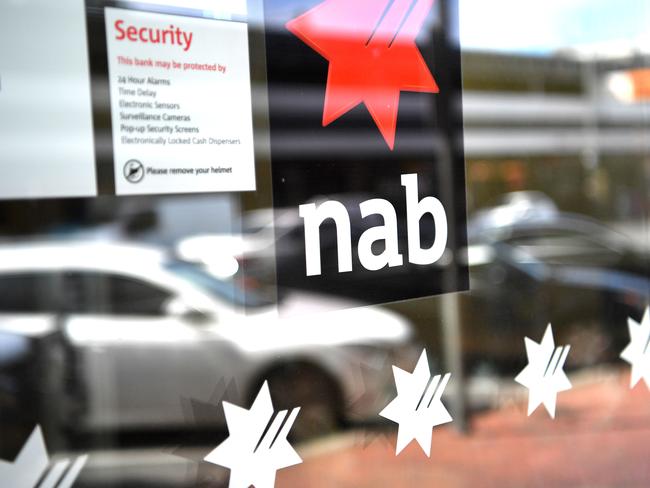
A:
(256, 244)
(530, 264)
(144, 331)
(513, 207)
(558, 268)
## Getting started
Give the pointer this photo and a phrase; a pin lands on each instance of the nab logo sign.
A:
(314, 215)
(368, 165)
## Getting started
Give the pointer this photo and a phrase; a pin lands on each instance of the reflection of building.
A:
(552, 124)
(556, 124)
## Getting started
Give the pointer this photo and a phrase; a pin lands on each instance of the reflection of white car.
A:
(261, 229)
(146, 331)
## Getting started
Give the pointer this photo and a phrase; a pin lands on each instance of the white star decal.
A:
(257, 446)
(32, 467)
(544, 376)
(418, 406)
(637, 353)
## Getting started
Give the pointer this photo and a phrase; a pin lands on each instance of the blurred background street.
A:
(126, 322)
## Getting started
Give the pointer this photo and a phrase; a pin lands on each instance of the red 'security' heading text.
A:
(148, 35)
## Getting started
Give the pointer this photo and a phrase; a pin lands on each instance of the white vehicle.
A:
(261, 230)
(146, 332)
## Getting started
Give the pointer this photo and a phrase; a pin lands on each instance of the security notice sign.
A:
(181, 104)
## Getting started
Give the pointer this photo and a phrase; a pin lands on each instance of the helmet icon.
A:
(134, 171)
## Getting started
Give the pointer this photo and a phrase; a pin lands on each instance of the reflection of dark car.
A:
(558, 268)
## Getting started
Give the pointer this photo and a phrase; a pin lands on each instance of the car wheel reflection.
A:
(316, 394)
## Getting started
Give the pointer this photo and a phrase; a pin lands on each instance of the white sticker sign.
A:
(181, 103)
(46, 121)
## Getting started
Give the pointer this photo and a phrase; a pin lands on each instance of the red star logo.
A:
(370, 46)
